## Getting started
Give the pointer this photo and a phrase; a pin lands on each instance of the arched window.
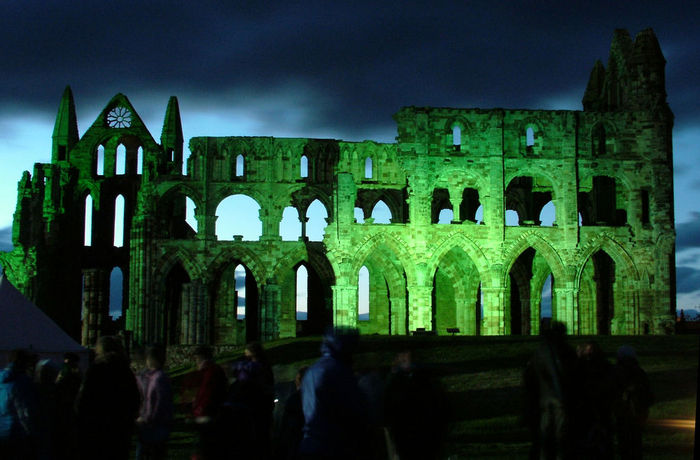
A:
(598, 140)
(363, 294)
(87, 225)
(238, 215)
(512, 218)
(317, 221)
(546, 299)
(119, 221)
(548, 215)
(240, 164)
(116, 286)
(368, 168)
(479, 215)
(529, 137)
(100, 163)
(381, 213)
(446, 216)
(359, 215)
(290, 225)
(302, 293)
(139, 161)
(190, 213)
(456, 137)
(304, 166)
(240, 276)
(120, 160)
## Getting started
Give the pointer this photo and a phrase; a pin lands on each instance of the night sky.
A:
(321, 69)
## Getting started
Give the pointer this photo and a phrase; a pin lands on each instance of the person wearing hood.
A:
(18, 408)
(334, 409)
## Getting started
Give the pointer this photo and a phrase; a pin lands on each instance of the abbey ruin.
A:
(446, 261)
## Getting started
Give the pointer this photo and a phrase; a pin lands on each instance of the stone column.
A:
(270, 218)
(270, 310)
(195, 313)
(398, 315)
(493, 322)
(206, 226)
(95, 304)
(565, 311)
(345, 305)
(420, 312)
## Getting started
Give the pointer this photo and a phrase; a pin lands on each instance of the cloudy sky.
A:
(324, 69)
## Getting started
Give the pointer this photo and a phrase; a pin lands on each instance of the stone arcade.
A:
(606, 171)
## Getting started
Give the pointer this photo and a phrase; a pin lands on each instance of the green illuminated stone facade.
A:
(607, 171)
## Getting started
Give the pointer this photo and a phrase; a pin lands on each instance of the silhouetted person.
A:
(334, 409)
(45, 374)
(67, 387)
(18, 409)
(207, 404)
(592, 425)
(414, 410)
(372, 383)
(292, 424)
(156, 415)
(634, 397)
(108, 403)
(549, 384)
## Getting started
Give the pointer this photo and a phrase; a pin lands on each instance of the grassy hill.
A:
(482, 380)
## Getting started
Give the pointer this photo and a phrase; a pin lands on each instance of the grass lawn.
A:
(482, 379)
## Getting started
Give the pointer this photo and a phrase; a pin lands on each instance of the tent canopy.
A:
(24, 325)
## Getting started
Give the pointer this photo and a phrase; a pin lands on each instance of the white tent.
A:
(24, 325)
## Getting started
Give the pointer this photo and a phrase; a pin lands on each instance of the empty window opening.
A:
(119, 221)
(359, 215)
(368, 168)
(580, 220)
(61, 152)
(456, 136)
(302, 293)
(546, 299)
(238, 215)
(529, 137)
(240, 276)
(290, 225)
(304, 166)
(446, 216)
(185, 158)
(479, 215)
(190, 213)
(87, 227)
(317, 221)
(645, 206)
(381, 213)
(100, 163)
(240, 164)
(363, 294)
(548, 215)
(120, 160)
(598, 140)
(512, 218)
(139, 161)
(116, 286)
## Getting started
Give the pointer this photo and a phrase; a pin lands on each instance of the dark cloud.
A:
(687, 280)
(688, 233)
(6, 239)
(366, 59)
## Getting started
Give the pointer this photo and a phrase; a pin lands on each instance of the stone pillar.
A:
(398, 315)
(206, 226)
(270, 218)
(195, 313)
(303, 221)
(345, 305)
(420, 311)
(270, 310)
(493, 322)
(95, 304)
(565, 311)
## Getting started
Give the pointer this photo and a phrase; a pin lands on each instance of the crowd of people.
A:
(578, 402)
(339, 409)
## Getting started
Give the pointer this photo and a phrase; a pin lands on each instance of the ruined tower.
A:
(592, 191)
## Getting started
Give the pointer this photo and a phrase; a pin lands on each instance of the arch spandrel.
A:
(243, 255)
(534, 171)
(398, 248)
(174, 256)
(320, 263)
(223, 191)
(466, 244)
(541, 246)
(166, 189)
(615, 250)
